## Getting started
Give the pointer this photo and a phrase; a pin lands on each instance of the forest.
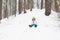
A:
(13, 7)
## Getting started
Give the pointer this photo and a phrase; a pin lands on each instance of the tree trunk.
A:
(41, 4)
(47, 7)
(59, 5)
(25, 6)
(13, 7)
(53, 5)
(9, 8)
(6, 10)
(0, 9)
(31, 5)
(38, 4)
(20, 6)
(56, 6)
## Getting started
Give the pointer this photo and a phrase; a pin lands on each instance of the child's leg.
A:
(35, 25)
(30, 25)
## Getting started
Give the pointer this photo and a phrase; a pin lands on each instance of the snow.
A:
(17, 28)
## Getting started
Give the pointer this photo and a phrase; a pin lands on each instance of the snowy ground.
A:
(16, 28)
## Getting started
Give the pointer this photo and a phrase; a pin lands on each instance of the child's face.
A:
(33, 19)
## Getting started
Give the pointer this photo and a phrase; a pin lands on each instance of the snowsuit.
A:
(33, 24)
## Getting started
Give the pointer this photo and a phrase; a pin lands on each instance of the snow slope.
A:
(16, 28)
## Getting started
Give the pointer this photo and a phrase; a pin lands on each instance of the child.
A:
(33, 24)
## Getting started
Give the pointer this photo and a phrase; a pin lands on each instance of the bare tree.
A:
(47, 7)
(56, 6)
(20, 6)
(53, 5)
(41, 4)
(28, 4)
(13, 7)
(59, 5)
(0, 9)
(37, 3)
(5, 10)
(25, 6)
(31, 5)
(9, 8)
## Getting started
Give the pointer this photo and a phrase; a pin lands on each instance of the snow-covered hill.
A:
(17, 28)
